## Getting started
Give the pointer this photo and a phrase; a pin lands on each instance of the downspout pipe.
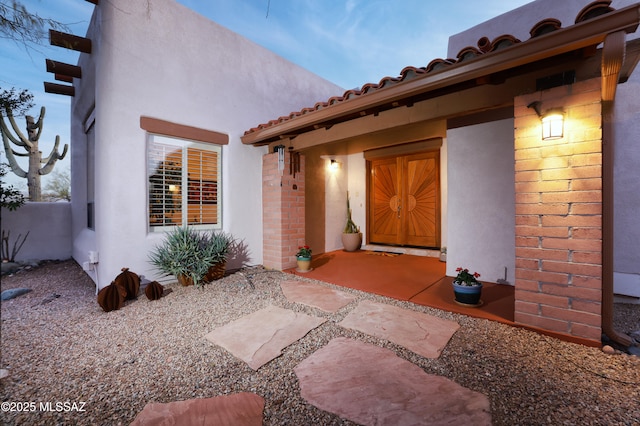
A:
(613, 53)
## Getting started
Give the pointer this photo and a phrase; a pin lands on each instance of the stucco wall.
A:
(336, 186)
(626, 262)
(149, 62)
(481, 200)
(357, 173)
(49, 227)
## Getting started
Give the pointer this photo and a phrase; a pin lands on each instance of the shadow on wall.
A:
(239, 255)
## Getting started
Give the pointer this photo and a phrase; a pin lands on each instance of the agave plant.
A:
(184, 252)
(217, 245)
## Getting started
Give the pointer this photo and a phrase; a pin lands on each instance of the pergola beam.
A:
(63, 68)
(69, 41)
(63, 77)
(59, 89)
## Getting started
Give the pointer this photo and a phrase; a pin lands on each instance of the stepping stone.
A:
(371, 385)
(316, 295)
(421, 333)
(242, 409)
(260, 337)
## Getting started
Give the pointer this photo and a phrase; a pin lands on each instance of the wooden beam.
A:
(63, 77)
(62, 68)
(167, 128)
(69, 41)
(59, 89)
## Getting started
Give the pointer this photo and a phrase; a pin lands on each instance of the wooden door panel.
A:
(422, 222)
(384, 202)
(404, 205)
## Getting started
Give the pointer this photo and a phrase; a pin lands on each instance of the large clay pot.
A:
(352, 242)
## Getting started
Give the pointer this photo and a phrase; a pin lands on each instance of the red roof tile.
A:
(484, 47)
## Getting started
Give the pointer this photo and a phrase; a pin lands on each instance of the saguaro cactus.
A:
(30, 146)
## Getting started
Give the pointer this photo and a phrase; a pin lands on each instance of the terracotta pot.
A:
(304, 263)
(216, 271)
(185, 280)
(352, 242)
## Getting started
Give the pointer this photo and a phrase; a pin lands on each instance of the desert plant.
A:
(184, 252)
(217, 245)
(350, 227)
(10, 256)
(189, 253)
(38, 166)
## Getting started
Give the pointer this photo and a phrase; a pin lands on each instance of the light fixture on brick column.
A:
(552, 121)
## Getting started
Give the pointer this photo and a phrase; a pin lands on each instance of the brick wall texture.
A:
(558, 186)
(283, 212)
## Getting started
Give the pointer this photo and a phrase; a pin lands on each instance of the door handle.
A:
(399, 207)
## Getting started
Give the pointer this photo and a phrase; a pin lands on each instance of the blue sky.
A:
(349, 42)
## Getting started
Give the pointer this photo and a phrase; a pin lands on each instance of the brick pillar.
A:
(283, 212)
(559, 214)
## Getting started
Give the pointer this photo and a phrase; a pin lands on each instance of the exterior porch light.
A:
(553, 124)
(552, 121)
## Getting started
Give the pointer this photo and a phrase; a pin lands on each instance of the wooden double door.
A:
(404, 200)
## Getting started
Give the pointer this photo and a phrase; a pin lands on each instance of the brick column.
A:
(559, 214)
(283, 213)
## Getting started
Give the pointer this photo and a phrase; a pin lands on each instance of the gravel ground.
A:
(58, 345)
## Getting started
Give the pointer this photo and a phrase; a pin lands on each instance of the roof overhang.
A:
(584, 35)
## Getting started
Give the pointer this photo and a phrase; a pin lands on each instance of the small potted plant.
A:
(466, 287)
(303, 257)
(351, 236)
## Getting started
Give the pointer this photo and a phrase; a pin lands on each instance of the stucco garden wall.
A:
(49, 227)
(148, 62)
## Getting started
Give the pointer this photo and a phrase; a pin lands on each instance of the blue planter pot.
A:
(467, 295)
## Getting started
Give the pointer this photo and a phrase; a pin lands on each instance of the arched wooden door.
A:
(404, 203)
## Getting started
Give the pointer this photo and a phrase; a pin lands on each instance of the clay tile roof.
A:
(593, 10)
(544, 27)
(484, 47)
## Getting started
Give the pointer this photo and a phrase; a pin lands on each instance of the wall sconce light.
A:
(334, 165)
(553, 124)
(552, 121)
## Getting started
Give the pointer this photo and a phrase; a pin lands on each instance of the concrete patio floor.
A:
(418, 279)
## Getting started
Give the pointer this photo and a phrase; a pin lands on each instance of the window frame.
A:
(184, 145)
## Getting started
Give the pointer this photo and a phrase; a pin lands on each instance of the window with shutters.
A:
(183, 183)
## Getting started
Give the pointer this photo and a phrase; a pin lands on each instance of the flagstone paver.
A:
(259, 337)
(241, 409)
(371, 385)
(421, 333)
(316, 295)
